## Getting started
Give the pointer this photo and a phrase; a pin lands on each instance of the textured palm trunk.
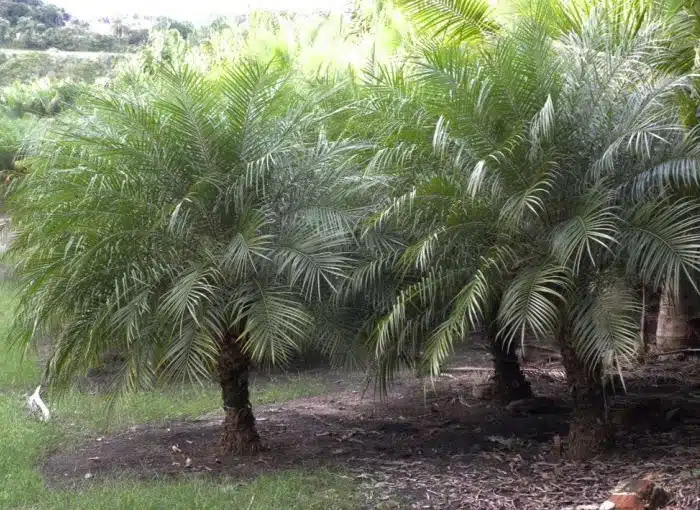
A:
(590, 430)
(239, 435)
(672, 327)
(508, 380)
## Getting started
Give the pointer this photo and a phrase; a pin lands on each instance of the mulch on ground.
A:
(440, 449)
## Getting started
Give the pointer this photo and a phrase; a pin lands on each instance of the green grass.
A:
(24, 442)
(87, 412)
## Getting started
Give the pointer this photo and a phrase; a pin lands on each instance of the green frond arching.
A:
(533, 302)
(274, 321)
(313, 260)
(462, 21)
(675, 167)
(192, 358)
(594, 226)
(372, 271)
(442, 68)
(662, 241)
(431, 289)
(605, 325)
(530, 202)
(469, 309)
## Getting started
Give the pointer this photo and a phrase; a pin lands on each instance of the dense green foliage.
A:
(239, 223)
(527, 171)
(543, 221)
(31, 66)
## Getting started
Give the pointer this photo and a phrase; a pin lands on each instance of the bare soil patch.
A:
(441, 449)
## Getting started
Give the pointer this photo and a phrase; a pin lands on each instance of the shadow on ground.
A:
(442, 449)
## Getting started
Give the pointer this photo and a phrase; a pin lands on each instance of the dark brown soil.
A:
(441, 449)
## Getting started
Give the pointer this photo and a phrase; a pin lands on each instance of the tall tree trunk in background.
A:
(590, 429)
(239, 435)
(650, 317)
(672, 328)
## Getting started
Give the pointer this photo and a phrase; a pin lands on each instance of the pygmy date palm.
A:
(447, 236)
(555, 184)
(195, 228)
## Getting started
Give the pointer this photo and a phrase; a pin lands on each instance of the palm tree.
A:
(610, 162)
(673, 329)
(682, 25)
(195, 225)
(565, 156)
(400, 107)
(625, 20)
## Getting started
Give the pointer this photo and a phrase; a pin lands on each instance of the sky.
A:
(196, 11)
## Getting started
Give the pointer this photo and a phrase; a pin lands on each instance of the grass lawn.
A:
(24, 442)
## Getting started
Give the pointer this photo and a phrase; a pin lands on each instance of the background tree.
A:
(39, 25)
(446, 250)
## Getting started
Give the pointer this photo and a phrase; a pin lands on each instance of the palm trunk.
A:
(672, 329)
(509, 383)
(508, 379)
(643, 340)
(590, 430)
(239, 435)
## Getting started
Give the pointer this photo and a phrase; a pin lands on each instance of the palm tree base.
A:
(590, 430)
(589, 434)
(239, 435)
(509, 382)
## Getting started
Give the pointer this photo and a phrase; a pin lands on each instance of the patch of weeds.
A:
(88, 412)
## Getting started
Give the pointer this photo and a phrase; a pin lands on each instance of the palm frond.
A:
(191, 357)
(533, 302)
(469, 310)
(595, 225)
(456, 20)
(663, 242)
(605, 326)
(313, 259)
(275, 322)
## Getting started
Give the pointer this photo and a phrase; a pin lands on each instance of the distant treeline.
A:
(33, 24)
